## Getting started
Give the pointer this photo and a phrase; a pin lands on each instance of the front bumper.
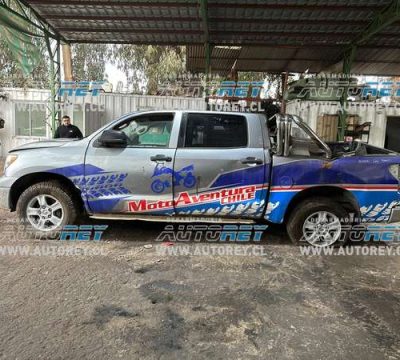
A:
(5, 188)
(4, 198)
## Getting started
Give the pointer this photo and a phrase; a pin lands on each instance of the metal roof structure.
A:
(368, 61)
(249, 35)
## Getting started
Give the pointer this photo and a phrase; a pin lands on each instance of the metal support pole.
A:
(207, 47)
(58, 81)
(53, 87)
(51, 38)
(285, 77)
(207, 67)
(349, 56)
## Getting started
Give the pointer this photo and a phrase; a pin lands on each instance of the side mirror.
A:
(113, 138)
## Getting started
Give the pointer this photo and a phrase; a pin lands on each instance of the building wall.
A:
(368, 111)
(89, 113)
(8, 138)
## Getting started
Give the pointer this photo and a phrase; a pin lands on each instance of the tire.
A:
(66, 210)
(300, 228)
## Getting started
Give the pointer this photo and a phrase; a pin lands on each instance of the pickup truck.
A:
(191, 166)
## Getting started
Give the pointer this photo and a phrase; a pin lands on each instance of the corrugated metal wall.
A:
(99, 110)
(8, 139)
(116, 105)
(369, 112)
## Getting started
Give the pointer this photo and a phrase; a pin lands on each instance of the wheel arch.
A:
(343, 196)
(28, 180)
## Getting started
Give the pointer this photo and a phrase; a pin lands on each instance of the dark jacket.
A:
(70, 131)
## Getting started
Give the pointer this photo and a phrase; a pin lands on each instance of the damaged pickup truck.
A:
(204, 167)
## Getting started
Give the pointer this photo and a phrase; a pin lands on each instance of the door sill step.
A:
(164, 218)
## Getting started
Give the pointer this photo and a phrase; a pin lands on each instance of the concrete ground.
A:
(130, 302)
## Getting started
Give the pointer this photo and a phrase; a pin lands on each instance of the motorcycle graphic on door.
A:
(183, 177)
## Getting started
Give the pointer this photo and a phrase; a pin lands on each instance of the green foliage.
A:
(89, 61)
(148, 67)
(11, 74)
(274, 81)
(88, 64)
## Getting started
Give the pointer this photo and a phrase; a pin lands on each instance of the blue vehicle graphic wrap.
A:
(100, 190)
(238, 193)
(375, 199)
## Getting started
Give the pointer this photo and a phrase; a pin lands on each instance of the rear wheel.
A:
(318, 222)
(47, 207)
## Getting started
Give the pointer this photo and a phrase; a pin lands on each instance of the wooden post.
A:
(67, 62)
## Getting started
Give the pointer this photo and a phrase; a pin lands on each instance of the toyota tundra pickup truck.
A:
(191, 166)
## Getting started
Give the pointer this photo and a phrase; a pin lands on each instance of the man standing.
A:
(67, 130)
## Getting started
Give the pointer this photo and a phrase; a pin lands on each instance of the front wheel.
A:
(318, 222)
(47, 207)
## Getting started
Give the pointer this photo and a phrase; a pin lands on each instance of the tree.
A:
(89, 61)
(148, 67)
(12, 76)
(274, 81)
(88, 64)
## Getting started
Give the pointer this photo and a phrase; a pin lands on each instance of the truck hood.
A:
(43, 144)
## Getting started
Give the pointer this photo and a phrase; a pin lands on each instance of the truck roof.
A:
(247, 114)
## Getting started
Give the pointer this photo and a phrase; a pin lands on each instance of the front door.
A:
(222, 167)
(136, 178)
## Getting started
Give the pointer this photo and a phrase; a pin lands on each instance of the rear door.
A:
(220, 167)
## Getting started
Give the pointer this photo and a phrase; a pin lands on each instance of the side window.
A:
(148, 130)
(215, 131)
(30, 119)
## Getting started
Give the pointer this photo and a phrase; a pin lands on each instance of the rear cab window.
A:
(215, 131)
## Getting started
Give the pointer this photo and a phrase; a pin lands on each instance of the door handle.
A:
(161, 157)
(251, 160)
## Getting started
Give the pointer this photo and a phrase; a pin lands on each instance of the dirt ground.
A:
(130, 302)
